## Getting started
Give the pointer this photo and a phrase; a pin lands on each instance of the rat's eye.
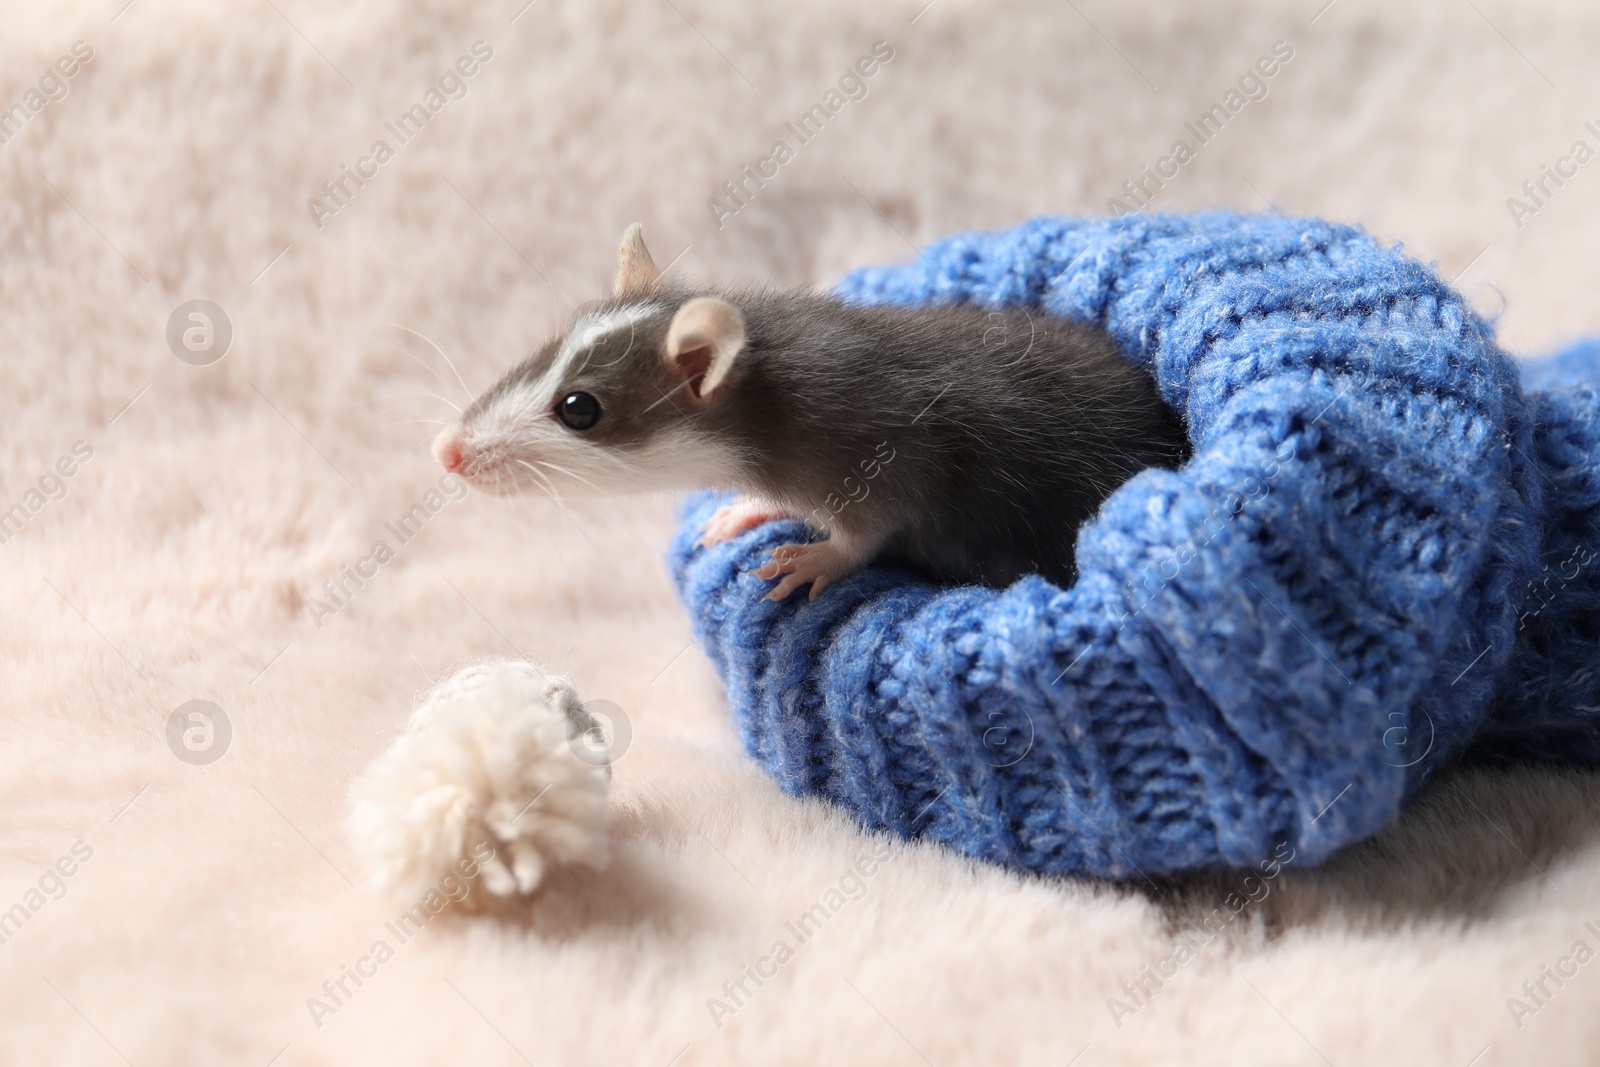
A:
(578, 410)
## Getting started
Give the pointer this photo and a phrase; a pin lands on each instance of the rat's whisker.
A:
(407, 422)
(442, 356)
(544, 480)
(617, 461)
(434, 396)
(407, 353)
(391, 409)
(567, 512)
(664, 397)
(569, 474)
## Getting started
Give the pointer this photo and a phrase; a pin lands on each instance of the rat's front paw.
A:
(820, 564)
(731, 520)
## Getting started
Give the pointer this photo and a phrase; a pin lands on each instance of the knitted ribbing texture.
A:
(1380, 557)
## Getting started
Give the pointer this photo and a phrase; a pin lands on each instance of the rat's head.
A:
(611, 404)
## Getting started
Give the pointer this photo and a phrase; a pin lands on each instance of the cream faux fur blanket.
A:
(179, 512)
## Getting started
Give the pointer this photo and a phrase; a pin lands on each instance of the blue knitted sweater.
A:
(1382, 555)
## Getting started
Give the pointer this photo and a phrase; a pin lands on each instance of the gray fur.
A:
(1004, 430)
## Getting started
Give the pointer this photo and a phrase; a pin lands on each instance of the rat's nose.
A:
(449, 449)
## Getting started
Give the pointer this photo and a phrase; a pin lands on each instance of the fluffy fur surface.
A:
(217, 900)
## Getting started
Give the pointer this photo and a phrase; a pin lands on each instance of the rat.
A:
(967, 442)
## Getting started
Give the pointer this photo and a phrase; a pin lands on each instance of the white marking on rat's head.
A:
(514, 440)
(578, 347)
(546, 427)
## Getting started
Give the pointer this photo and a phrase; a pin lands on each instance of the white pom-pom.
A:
(491, 777)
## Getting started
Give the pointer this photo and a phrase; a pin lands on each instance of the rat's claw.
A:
(817, 564)
(731, 520)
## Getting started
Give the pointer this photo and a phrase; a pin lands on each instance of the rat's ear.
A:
(636, 271)
(705, 336)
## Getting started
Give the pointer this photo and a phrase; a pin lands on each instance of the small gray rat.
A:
(967, 442)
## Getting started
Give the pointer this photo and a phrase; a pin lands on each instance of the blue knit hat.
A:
(1382, 554)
